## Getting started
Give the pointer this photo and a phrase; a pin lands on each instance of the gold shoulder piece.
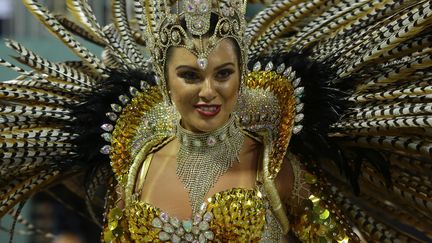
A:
(146, 117)
(267, 107)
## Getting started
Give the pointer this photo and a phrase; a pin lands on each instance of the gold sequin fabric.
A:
(268, 104)
(144, 118)
(316, 220)
(234, 215)
(318, 224)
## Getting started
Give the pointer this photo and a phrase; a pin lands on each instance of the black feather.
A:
(325, 103)
(91, 113)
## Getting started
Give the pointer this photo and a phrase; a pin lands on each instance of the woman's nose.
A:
(207, 91)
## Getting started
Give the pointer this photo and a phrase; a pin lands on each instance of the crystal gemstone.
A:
(202, 63)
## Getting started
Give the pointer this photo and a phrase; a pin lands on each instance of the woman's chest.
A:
(234, 214)
(162, 186)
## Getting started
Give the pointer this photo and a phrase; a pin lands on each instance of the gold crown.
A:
(186, 24)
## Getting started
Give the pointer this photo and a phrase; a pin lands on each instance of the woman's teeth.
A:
(208, 108)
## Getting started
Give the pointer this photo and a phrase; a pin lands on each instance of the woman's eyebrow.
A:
(187, 66)
(224, 65)
(196, 69)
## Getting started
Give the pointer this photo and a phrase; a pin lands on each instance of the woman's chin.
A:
(205, 126)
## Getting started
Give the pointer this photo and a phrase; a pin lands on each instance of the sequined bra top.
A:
(233, 215)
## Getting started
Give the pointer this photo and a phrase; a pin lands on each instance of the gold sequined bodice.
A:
(232, 215)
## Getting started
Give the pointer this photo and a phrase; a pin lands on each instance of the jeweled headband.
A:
(188, 24)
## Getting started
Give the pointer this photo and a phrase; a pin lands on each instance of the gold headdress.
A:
(188, 23)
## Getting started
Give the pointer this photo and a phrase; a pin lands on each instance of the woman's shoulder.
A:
(167, 149)
(252, 143)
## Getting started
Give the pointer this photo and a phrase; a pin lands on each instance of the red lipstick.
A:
(207, 110)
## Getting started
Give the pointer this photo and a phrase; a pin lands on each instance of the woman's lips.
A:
(208, 110)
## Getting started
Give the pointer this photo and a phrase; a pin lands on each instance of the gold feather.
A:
(33, 95)
(413, 146)
(264, 18)
(117, 47)
(37, 111)
(287, 21)
(81, 10)
(54, 70)
(333, 21)
(13, 193)
(60, 32)
(139, 15)
(124, 30)
(412, 22)
(80, 31)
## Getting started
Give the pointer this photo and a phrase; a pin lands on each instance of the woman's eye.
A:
(224, 74)
(189, 76)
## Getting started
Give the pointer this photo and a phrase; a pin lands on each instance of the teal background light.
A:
(47, 47)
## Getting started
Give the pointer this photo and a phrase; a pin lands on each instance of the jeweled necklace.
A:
(204, 157)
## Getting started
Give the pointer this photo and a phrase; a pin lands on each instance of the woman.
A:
(205, 100)
(206, 146)
(209, 153)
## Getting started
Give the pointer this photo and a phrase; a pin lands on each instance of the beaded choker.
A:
(204, 157)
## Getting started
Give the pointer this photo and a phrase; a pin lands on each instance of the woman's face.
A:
(204, 98)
